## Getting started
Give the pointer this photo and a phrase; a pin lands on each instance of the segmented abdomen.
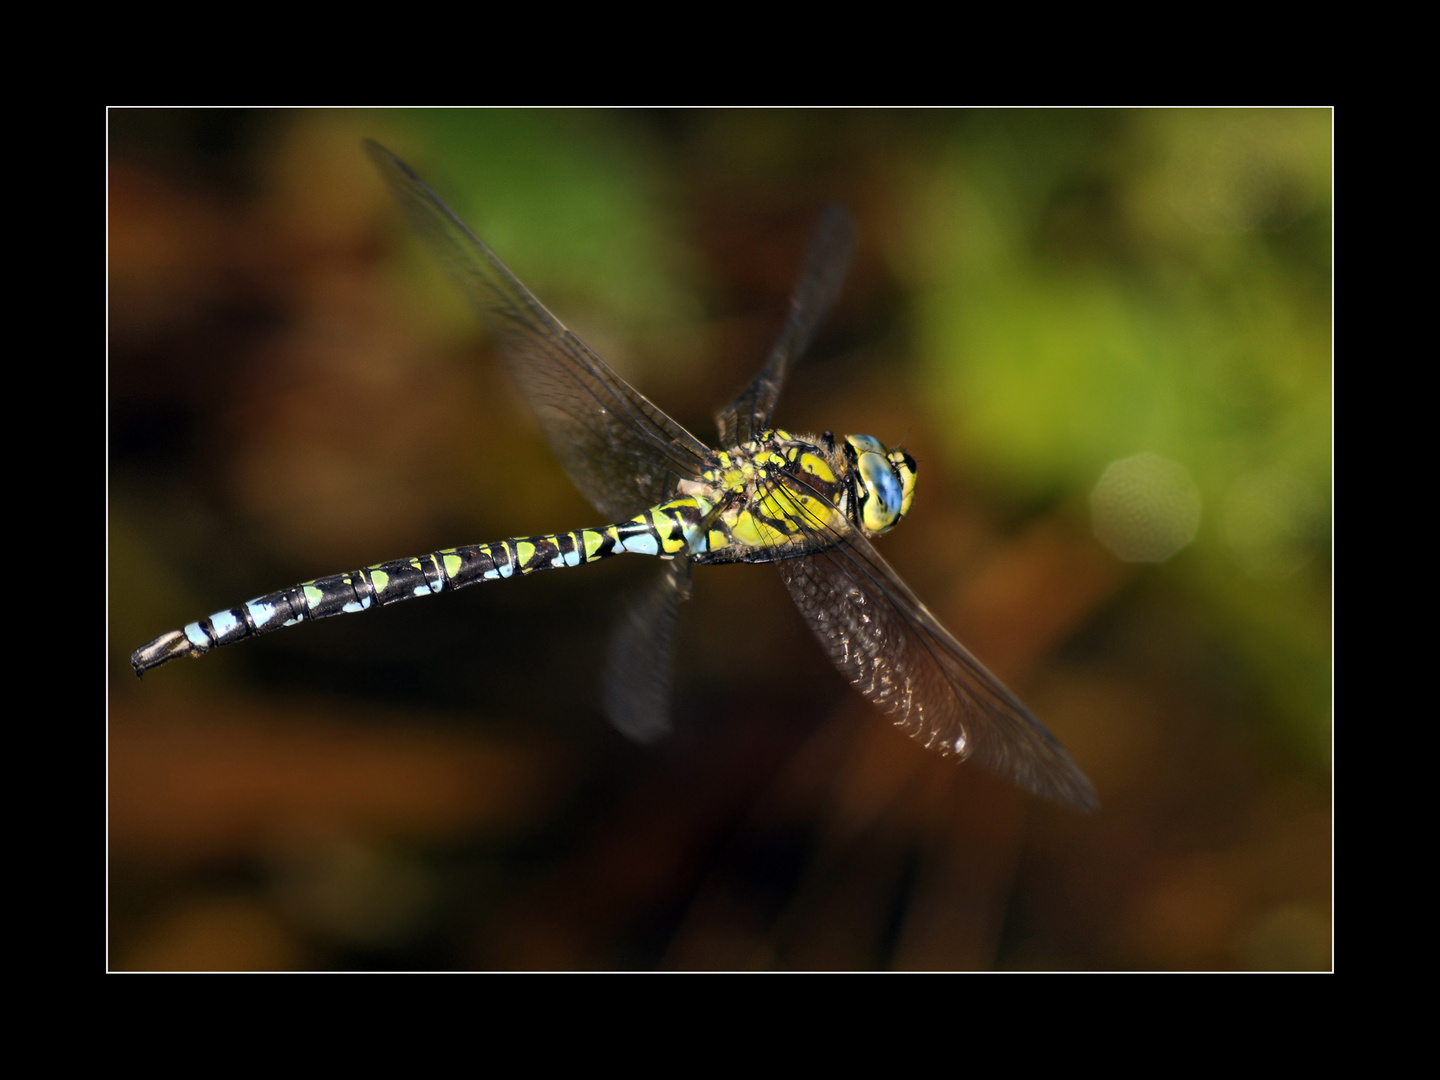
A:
(660, 531)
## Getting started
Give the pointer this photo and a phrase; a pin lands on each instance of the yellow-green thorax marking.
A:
(778, 497)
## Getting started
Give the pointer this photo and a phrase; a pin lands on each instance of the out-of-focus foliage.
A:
(1105, 336)
(1092, 286)
(585, 206)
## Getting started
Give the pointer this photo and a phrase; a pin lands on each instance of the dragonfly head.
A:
(884, 482)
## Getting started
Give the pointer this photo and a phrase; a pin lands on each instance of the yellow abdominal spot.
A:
(593, 539)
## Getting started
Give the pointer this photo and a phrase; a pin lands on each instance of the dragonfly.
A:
(811, 505)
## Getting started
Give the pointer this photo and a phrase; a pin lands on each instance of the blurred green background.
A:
(1040, 299)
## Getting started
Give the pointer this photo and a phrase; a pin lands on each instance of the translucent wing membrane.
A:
(621, 450)
(636, 695)
(826, 262)
(896, 653)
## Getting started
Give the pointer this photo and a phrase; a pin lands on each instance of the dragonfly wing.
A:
(636, 694)
(826, 261)
(621, 450)
(896, 653)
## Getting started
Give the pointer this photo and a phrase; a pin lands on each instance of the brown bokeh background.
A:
(294, 391)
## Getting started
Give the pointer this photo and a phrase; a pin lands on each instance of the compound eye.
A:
(866, 444)
(904, 466)
(884, 495)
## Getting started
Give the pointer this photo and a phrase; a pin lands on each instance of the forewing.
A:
(826, 261)
(636, 693)
(896, 653)
(622, 451)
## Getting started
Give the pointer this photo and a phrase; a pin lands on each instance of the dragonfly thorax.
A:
(782, 496)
